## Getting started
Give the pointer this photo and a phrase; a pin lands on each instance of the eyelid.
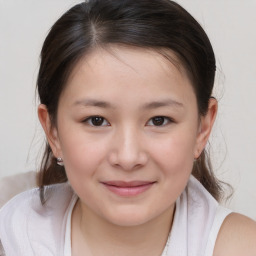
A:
(167, 121)
(88, 120)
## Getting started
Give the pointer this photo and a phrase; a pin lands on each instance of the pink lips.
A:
(127, 189)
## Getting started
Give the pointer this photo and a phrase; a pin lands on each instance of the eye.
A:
(96, 121)
(159, 121)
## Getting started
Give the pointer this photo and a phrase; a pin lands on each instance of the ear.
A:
(205, 127)
(49, 129)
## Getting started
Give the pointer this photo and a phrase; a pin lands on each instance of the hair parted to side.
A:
(155, 24)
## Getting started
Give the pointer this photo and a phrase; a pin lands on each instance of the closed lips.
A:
(130, 184)
(128, 189)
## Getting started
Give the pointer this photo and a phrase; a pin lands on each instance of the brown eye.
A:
(159, 121)
(97, 121)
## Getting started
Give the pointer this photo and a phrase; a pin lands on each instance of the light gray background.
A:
(231, 26)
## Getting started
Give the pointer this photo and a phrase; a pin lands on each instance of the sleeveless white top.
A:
(29, 229)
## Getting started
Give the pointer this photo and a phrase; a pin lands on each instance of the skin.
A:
(236, 237)
(127, 87)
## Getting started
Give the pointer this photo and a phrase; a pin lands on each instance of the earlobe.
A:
(49, 129)
(206, 124)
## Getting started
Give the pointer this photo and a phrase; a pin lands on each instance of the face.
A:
(128, 131)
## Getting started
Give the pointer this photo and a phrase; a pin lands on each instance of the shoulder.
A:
(29, 200)
(27, 207)
(236, 237)
(19, 201)
(13, 185)
(24, 215)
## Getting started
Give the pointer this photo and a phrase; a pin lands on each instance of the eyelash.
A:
(103, 122)
(89, 120)
(166, 121)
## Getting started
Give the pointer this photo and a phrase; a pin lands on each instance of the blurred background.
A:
(230, 25)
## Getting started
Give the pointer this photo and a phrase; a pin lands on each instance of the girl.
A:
(125, 90)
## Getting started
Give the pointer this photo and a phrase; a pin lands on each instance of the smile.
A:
(128, 189)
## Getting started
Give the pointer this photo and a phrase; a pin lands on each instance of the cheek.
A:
(82, 155)
(176, 153)
(174, 157)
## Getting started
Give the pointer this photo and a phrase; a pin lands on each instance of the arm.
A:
(237, 237)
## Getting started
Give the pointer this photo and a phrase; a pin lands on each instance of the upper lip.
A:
(135, 183)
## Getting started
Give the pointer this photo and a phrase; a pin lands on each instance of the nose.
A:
(127, 150)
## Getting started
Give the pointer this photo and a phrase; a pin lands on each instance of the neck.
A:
(100, 237)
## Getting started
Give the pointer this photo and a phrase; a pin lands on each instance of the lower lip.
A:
(128, 191)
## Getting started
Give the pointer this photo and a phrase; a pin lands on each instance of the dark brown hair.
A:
(154, 24)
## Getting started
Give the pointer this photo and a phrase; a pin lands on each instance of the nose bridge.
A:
(128, 151)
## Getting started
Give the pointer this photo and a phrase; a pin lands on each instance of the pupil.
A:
(97, 121)
(159, 120)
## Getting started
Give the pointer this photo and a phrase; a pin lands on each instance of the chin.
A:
(129, 221)
(129, 217)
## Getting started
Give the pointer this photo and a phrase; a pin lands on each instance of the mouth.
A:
(128, 189)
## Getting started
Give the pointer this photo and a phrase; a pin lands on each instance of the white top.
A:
(27, 228)
(67, 245)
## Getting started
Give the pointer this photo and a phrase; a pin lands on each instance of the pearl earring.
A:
(60, 161)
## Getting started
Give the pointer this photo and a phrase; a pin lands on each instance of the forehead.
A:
(131, 57)
(144, 71)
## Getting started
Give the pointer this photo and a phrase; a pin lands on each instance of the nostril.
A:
(126, 161)
(113, 158)
(127, 150)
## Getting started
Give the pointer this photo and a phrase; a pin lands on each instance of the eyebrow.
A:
(162, 103)
(150, 105)
(93, 103)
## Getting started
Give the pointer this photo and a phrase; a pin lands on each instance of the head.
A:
(135, 34)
